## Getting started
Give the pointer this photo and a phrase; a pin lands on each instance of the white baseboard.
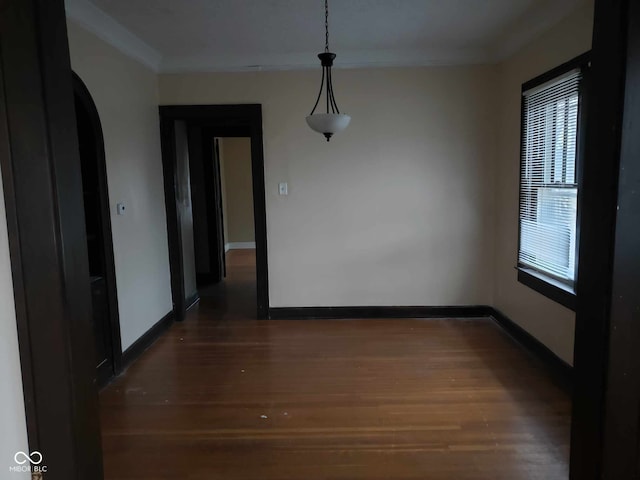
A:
(239, 246)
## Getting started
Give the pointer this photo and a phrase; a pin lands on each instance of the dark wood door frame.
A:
(217, 175)
(211, 216)
(213, 192)
(212, 170)
(225, 118)
(42, 183)
(606, 417)
(84, 96)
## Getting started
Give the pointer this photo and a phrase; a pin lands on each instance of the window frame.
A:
(547, 285)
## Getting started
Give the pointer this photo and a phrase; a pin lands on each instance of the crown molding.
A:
(522, 32)
(531, 26)
(309, 61)
(111, 31)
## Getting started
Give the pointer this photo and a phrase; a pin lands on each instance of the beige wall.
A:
(398, 210)
(126, 95)
(235, 159)
(548, 321)
(12, 415)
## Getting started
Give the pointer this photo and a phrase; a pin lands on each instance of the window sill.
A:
(550, 288)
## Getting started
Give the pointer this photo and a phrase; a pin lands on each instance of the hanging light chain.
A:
(326, 85)
(332, 121)
(326, 25)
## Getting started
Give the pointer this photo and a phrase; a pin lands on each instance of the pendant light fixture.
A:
(333, 121)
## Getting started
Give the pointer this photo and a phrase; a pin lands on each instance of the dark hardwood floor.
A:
(224, 396)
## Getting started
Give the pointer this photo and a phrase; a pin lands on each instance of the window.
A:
(548, 215)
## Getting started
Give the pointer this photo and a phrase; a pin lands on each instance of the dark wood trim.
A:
(212, 184)
(221, 207)
(204, 279)
(237, 117)
(47, 239)
(132, 353)
(13, 227)
(304, 313)
(621, 456)
(174, 236)
(581, 148)
(83, 94)
(601, 171)
(538, 281)
(560, 370)
(192, 300)
(578, 62)
(105, 373)
(211, 160)
(548, 287)
(606, 414)
(232, 131)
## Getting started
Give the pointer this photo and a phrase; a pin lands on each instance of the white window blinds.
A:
(548, 184)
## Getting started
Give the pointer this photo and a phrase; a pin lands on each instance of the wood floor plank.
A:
(224, 396)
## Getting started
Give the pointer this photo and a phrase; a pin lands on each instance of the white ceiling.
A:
(219, 35)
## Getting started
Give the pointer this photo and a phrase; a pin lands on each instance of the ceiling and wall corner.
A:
(529, 27)
(196, 36)
(106, 28)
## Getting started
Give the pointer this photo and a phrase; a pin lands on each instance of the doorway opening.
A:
(232, 287)
(204, 227)
(105, 321)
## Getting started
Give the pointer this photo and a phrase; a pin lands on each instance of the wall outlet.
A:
(283, 188)
(120, 208)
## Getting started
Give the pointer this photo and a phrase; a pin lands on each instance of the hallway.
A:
(224, 396)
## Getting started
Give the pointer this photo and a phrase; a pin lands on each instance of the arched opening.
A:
(106, 325)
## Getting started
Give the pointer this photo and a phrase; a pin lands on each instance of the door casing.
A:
(84, 96)
(219, 120)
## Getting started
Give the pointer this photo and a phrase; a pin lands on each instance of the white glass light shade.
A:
(328, 123)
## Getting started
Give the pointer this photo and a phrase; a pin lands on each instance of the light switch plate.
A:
(120, 208)
(283, 188)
